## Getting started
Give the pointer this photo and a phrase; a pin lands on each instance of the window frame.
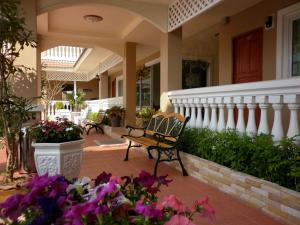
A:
(285, 18)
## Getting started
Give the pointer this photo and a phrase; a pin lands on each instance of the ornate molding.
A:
(66, 76)
(182, 11)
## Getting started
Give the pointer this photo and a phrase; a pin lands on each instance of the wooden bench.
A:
(161, 134)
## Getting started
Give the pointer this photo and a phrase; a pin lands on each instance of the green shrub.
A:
(59, 105)
(258, 156)
(92, 116)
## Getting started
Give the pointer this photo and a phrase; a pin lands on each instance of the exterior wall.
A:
(93, 85)
(246, 21)
(206, 49)
(277, 201)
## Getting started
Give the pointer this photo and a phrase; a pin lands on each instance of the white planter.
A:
(58, 158)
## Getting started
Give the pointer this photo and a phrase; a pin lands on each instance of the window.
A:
(296, 48)
(119, 86)
(288, 42)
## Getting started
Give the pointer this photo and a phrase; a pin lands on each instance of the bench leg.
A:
(149, 154)
(157, 161)
(184, 172)
(127, 152)
(88, 131)
(101, 129)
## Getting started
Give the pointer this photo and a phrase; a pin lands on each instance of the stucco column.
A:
(103, 85)
(129, 82)
(30, 84)
(170, 66)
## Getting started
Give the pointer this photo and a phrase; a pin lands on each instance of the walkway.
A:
(229, 210)
(109, 158)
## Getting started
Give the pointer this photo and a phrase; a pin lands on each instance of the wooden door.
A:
(247, 57)
(247, 62)
(113, 88)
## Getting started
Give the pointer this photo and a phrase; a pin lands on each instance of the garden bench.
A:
(161, 134)
(97, 124)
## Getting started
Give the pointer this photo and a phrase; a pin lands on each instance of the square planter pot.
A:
(59, 158)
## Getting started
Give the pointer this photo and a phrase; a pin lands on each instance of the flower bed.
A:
(112, 200)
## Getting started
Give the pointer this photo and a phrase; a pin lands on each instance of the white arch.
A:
(153, 13)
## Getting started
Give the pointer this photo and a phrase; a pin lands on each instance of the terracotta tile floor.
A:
(229, 210)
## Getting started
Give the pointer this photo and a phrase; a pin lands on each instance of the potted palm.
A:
(116, 115)
(58, 148)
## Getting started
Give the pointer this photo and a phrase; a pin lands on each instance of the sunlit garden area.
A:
(153, 112)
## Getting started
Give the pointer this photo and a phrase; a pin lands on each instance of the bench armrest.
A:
(131, 128)
(160, 135)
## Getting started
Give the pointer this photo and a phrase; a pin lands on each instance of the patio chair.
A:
(96, 124)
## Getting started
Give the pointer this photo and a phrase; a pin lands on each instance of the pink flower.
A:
(117, 179)
(172, 202)
(179, 220)
(207, 210)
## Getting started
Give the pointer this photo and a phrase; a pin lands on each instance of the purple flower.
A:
(145, 179)
(107, 188)
(11, 207)
(102, 178)
(163, 180)
(149, 211)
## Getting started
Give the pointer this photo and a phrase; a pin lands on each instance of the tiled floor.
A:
(229, 210)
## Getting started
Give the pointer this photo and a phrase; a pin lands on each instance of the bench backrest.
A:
(100, 116)
(171, 124)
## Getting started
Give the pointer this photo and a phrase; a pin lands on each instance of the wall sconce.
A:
(97, 77)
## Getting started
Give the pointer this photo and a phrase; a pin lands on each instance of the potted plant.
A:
(58, 148)
(143, 116)
(116, 115)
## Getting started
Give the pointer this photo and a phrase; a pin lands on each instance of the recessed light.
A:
(92, 18)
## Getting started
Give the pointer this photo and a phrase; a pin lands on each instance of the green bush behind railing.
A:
(92, 116)
(258, 155)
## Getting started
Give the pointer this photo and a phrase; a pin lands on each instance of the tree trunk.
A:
(12, 158)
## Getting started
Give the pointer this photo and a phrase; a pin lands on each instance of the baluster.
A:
(187, 113)
(221, 120)
(251, 124)
(49, 109)
(263, 127)
(230, 117)
(53, 108)
(199, 114)
(176, 105)
(213, 121)
(240, 125)
(293, 105)
(277, 129)
(181, 108)
(206, 119)
(193, 115)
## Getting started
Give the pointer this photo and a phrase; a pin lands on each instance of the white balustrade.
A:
(199, 114)
(251, 128)
(213, 121)
(270, 97)
(193, 115)
(206, 120)
(221, 121)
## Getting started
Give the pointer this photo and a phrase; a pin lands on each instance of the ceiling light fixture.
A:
(92, 18)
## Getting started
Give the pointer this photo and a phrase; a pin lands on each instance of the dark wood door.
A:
(113, 88)
(247, 57)
(247, 62)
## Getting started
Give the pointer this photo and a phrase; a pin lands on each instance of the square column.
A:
(170, 66)
(129, 82)
(103, 85)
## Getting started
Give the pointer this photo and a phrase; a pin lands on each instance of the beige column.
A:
(129, 82)
(170, 66)
(103, 85)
